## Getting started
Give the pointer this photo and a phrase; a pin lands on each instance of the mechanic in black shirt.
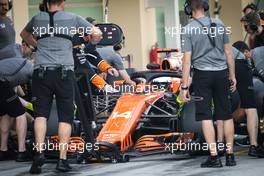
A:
(253, 8)
(252, 25)
(84, 54)
(245, 87)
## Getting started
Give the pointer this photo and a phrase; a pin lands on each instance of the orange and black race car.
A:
(148, 120)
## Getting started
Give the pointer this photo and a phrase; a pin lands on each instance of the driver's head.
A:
(4, 7)
(243, 48)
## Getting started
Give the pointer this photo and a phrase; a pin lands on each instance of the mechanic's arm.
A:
(186, 66)
(27, 33)
(118, 64)
(101, 64)
(28, 37)
(20, 92)
(231, 66)
(126, 77)
(185, 76)
(95, 58)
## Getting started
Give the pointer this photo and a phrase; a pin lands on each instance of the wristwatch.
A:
(184, 88)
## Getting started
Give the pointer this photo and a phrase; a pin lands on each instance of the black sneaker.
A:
(221, 149)
(23, 157)
(63, 166)
(5, 155)
(38, 161)
(230, 160)
(256, 151)
(212, 162)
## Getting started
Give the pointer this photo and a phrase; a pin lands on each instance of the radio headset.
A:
(10, 5)
(188, 11)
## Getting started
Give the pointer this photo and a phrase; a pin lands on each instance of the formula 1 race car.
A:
(149, 118)
(148, 121)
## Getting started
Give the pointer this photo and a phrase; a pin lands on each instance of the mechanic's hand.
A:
(132, 83)
(113, 72)
(103, 75)
(185, 96)
(109, 89)
(233, 84)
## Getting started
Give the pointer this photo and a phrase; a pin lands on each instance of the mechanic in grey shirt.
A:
(257, 54)
(115, 60)
(206, 47)
(51, 32)
(7, 32)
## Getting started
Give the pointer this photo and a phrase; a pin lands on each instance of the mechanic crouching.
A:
(53, 74)
(10, 106)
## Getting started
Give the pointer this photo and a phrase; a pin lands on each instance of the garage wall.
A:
(20, 16)
(139, 26)
(85, 8)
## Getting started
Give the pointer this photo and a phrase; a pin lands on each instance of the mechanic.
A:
(82, 59)
(6, 122)
(245, 89)
(111, 55)
(10, 104)
(93, 60)
(210, 62)
(53, 74)
(85, 54)
(252, 25)
(253, 8)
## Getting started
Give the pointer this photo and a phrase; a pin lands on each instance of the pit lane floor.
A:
(158, 165)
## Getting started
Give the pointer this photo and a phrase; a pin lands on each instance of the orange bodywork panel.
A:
(156, 142)
(124, 119)
(175, 85)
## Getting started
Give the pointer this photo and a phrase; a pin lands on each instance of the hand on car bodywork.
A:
(113, 72)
